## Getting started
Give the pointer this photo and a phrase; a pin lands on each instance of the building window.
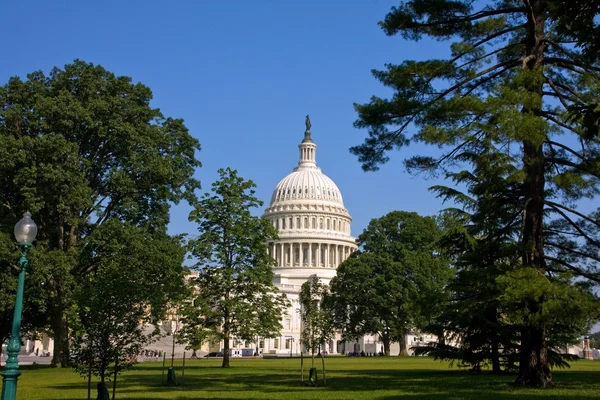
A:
(305, 222)
(276, 343)
(298, 225)
(320, 223)
(287, 343)
(328, 224)
(334, 225)
(261, 344)
(291, 223)
(283, 223)
(288, 323)
(314, 223)
(277, 223)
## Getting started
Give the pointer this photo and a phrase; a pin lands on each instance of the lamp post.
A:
(290, 340)
(25, 232)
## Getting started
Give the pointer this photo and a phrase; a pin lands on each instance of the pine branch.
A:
(398, 132)
(573, 211)
(468, 18)
(566, 148)
(558, 122)
(575, 226)
(578, 271)
(573, 251)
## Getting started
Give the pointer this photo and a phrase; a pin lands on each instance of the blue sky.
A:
(243, 75)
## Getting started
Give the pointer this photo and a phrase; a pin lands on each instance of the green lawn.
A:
(347, 378)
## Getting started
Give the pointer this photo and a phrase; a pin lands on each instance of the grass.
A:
(378, 378)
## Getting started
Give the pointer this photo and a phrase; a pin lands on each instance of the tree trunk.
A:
(60, 354)
(324, 376)
(114, 386)
(534, 367)
(225, 350)
(89, 379)
(495, 356)
(403, 350)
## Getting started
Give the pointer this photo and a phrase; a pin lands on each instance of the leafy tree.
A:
(79, 147)
(392, 287)
(136, 274)
(372, 294)
(317, 319)
(236, 296)
(525, 85)
(192, 332)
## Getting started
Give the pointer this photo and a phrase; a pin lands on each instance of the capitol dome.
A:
(307, 184)
(308, 211)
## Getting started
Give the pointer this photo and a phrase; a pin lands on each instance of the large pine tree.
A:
(523, 78)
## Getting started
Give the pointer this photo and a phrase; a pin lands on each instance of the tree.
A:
(526, 86)
(137, 273)
(317, 319)
(393, 286)
(236, 296)
(81, 146)
(192, 332)
(481, 314)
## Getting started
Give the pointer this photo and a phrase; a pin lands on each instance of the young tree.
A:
(192, 331)
(523, 82)
(81, 146)
(316, 315)
(392, 287)
(236, 296)
(136, 274)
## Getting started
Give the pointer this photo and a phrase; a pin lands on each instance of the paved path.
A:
(29, 360)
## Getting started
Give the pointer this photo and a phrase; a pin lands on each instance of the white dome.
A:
(307, 184)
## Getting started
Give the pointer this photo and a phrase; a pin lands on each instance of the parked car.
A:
(214, 354)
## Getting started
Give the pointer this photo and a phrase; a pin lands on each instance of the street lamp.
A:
(25, 232)
(290, 340)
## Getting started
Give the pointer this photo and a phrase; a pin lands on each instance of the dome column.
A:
(282, 251)
(318, 254)
(290, 254)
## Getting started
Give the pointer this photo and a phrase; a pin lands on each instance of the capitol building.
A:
(308, 211)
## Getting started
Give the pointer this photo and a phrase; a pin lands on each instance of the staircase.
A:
(164, 344)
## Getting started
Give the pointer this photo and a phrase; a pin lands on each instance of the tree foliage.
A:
(137, 274)
(315, 313)
(79, 147)
(236, 296)
(395, 284)
(521, 85)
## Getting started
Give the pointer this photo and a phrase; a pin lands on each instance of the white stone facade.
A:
(314, 238)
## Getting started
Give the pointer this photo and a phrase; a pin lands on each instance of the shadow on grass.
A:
(265, 381)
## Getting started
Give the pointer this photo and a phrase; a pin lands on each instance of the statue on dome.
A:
(307, 137)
